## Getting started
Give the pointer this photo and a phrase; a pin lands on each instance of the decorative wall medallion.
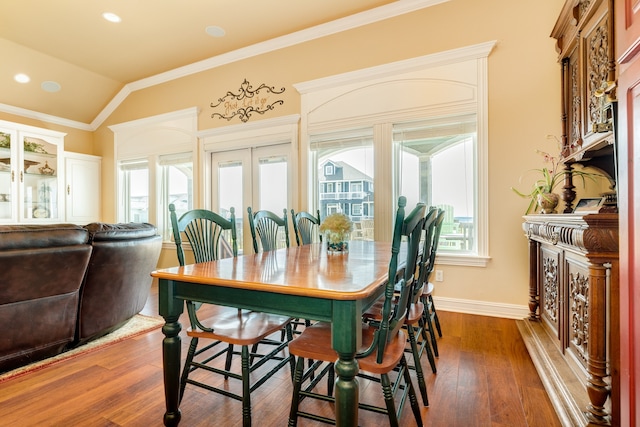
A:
(247, 101)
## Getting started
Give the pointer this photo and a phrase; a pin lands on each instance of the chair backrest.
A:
(394, 309)
(204, 230)
(305, 226)
(425, 263)
(435, 237)
(266, 225)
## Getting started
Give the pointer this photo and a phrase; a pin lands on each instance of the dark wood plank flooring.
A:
(485, 378)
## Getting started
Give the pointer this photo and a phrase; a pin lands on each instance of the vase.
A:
(337, 243)
(548, 202)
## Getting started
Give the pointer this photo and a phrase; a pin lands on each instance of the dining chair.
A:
(229, 327)
(383, 342)
(414, 323)
(267, 229)
(305, 227)
(266, 232)
(430, 314)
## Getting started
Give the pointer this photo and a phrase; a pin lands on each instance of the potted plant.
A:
(337, 228)
(541, 193)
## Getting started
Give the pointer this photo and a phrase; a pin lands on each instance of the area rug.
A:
(138, 325)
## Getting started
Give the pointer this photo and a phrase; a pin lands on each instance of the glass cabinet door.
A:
(40, 177)
(7, 176)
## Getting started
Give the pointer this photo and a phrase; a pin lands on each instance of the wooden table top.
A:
(305, 270)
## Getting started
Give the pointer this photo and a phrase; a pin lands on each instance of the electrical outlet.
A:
(439, 276)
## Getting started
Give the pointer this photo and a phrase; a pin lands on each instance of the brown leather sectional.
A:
(62, 285)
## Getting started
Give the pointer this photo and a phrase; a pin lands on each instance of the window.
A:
(250, 165)
(350, 155)
(436, 166)
(328, 169)
(134, 181)
(176, 175)
(428, 130)
(155, 164)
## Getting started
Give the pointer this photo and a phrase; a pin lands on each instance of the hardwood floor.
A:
(485, 378)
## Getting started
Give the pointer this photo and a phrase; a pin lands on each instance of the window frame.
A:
(330, 104)
(150, 139)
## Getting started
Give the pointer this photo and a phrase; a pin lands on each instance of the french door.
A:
(256, 177)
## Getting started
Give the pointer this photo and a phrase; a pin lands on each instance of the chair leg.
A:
(246, 388)
(227, 363)
(388, 399)
(435, 316)
(417, 365)
(187, 366)
(292, 362)
(331, 379)
(427, 346)
(295, 399)
(413, 399)
(432, 333)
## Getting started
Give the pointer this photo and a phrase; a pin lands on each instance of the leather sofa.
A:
(64, 285)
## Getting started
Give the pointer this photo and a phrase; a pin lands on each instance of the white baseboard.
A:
(482, 308)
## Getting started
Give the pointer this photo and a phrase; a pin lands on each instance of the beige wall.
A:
(524, 107)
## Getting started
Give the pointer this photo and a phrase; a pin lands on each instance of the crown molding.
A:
(381, 13)
(481, 50)
(47, 118)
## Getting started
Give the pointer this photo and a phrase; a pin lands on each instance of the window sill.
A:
(468, 260)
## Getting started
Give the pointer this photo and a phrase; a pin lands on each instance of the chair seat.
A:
(428, 289)
(315, 343)
(414, 314)
(241, 327)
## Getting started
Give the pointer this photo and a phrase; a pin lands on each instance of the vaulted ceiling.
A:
(69, 43)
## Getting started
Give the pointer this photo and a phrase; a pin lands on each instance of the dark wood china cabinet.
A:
(574, 255)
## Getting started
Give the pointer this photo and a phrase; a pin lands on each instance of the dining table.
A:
(304, 282)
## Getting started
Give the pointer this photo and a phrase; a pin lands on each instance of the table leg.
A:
(170, 309)
(171, 367)
(346, 391)
(346, 338)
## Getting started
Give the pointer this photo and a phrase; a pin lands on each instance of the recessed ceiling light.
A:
(22, 78)
(50, 86)
(215, 31)
(111, 17)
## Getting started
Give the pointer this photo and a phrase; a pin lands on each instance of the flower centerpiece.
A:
(541, 193)
(336, 229)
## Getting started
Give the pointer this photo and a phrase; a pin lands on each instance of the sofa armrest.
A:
(99, 231)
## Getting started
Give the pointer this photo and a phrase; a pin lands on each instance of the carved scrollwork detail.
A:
(575, 140)
(550, 286)
(582, 7)
(579, 297)
(597, 68)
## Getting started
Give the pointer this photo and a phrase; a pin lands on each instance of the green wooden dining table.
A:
(301, 282)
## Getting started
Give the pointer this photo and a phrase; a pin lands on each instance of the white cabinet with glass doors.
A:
(30, 166)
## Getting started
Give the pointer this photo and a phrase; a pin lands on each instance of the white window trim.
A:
(388, 72)
(148, 139)
(262, 133)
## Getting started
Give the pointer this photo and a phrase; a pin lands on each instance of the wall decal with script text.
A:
(247, 101)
